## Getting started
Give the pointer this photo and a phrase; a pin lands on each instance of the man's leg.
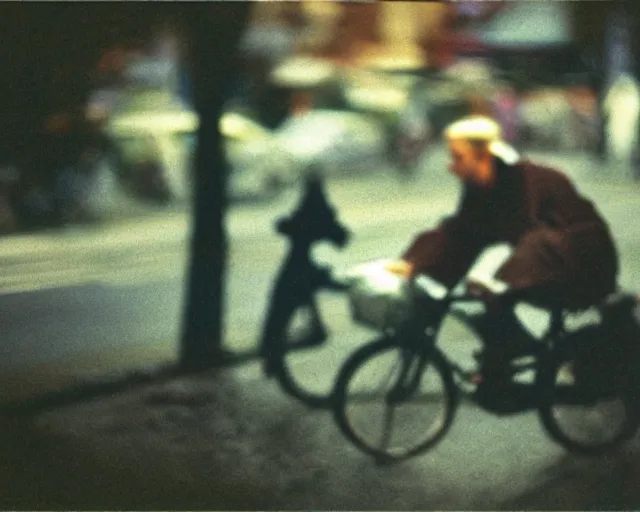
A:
(496, 329)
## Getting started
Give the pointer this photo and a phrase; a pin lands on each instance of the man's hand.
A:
(400, 267)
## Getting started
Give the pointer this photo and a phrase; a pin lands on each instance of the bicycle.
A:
(293, 320)
(418, 381)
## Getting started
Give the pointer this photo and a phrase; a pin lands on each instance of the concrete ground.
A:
(228, 440)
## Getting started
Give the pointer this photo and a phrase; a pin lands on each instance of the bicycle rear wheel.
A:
(393, 403)
(299, 337)
(584, 417)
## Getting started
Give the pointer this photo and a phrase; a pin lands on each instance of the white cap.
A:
(505, 152)
(483, 128)
(474, 127)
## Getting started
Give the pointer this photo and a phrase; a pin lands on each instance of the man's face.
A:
(466, 160)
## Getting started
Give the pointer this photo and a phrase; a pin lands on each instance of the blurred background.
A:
(373, 82)
(95, 241)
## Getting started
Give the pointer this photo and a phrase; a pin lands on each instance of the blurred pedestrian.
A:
(621, 108)
(506, 108)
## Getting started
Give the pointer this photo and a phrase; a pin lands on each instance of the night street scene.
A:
(246, 244)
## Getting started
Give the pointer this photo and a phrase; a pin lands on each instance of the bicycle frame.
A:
(300, 278)
(297, 283)
(501, 397)
(291, 293)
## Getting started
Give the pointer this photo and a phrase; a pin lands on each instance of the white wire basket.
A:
(378, 298)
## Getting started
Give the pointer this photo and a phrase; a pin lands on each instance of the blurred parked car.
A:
(265, 162)
(152, 131)
(258, 169)
(341, 142)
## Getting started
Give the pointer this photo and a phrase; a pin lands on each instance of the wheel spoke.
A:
(389, 414)
(390, 374)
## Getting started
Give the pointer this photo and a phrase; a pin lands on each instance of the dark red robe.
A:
(559, 238)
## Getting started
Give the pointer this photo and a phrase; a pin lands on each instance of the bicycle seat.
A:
(608, 307)
(617, 305)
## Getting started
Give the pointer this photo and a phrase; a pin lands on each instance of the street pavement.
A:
(228, 440)
(90, 301)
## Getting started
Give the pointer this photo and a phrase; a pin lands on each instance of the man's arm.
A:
(444, 253)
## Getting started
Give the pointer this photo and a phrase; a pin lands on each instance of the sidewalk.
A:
(229, 440)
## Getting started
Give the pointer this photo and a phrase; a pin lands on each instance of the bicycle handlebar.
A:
(338, 283)
(421, 288)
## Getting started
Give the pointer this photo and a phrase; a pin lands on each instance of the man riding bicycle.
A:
(563, 252)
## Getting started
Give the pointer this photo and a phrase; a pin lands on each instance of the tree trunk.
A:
(47, 53)
(215, 30)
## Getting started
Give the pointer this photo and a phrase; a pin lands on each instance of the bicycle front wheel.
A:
(393, 403)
